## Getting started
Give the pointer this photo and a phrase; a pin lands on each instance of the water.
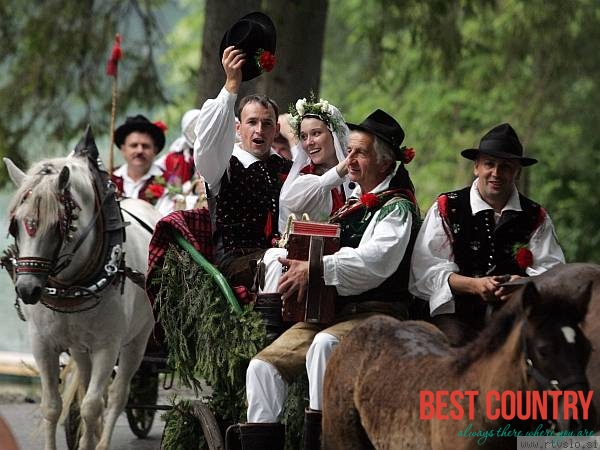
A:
(13, 331)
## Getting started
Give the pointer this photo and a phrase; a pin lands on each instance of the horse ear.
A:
(87, 145)
(63, 178)
(530, 297)
(582, 301)
(15, 174)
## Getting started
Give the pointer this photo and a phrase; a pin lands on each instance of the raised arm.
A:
(214, 127)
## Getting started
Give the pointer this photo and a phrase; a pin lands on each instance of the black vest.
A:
(352, 228)
(481, 247)
(248, 203)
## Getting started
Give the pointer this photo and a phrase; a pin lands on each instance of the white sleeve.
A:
(432, 263)
(214, 138)
(545, 248)
(378, 255)
(310, 194)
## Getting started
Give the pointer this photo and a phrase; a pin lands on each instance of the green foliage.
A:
(450, 71)
(182, 430)
(208, 341)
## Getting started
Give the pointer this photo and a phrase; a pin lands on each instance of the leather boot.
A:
(255, 436)
(312, 429)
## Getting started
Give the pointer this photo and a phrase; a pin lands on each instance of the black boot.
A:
(312, 429)
(255, 436)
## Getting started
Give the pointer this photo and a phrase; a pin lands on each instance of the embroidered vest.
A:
(353, 223)
(248, 203)
(481, 247)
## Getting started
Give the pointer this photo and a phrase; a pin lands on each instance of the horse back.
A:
(380, 360)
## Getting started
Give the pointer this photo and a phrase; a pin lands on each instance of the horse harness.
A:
(545, 382)
(82, 294)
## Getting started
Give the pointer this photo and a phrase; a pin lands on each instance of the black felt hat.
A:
(253, 34)
(384, 126)
(142, 124)
(501, 142)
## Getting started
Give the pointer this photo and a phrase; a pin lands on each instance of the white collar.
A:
(379, 188)
(154, 171)
(479, 204)
(247, 158)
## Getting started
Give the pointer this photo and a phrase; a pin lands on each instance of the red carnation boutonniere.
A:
(369, 199)
(155, 190)
(265, 60)
(523, 256)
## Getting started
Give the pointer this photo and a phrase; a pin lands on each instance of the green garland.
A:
(208, 340)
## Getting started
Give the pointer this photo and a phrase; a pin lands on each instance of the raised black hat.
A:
(253, 34)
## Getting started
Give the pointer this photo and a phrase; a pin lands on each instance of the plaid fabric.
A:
(193, 224)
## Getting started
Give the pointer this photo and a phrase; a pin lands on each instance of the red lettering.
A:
(488, 405)
(471, 395)
(585, 403)
(555, 395)
(570, 403)
(440, 404)
(458, 411)
(508, 405)
(426, 407)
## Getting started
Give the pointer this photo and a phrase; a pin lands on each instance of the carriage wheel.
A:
(210, 426)
(143, 393)
(73, 425)
(211, 431)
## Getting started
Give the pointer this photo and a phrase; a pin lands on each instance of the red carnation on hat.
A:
(408, 154)
(265, 60)
(161, 125)
(523, 256)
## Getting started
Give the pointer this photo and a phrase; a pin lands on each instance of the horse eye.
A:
(544, 350)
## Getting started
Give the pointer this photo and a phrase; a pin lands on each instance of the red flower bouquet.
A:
(523, 256)
(265, 60)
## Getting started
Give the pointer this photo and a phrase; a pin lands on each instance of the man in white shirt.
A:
(370, 273)
(474, 239)
(139, 141)
(243, 177)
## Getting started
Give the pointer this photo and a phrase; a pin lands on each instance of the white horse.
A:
(73, 268)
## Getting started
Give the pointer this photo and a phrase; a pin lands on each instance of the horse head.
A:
(51, 199)
(555, 348)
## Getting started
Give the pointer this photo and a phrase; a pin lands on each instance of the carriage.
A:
(111, 314)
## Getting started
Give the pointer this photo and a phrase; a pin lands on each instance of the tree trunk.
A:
(300, 41)
(300, 36)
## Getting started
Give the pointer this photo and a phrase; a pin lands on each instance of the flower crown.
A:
(321, 109)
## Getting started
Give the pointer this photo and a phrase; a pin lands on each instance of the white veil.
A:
(293, 196)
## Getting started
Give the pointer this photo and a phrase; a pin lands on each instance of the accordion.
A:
(310, 241)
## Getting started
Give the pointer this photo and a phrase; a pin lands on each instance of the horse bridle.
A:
(549, 384)
(108, 217)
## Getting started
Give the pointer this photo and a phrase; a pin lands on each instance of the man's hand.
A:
(504, 292)
(233, 60)
(295, 280)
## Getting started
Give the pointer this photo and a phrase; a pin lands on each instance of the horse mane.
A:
(493, 336)
(37, 196)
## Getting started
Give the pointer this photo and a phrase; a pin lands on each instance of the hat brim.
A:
(382, 136)
(250, 69)
(472, 153)
(157, 134)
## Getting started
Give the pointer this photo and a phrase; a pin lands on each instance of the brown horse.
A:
(375, 378)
